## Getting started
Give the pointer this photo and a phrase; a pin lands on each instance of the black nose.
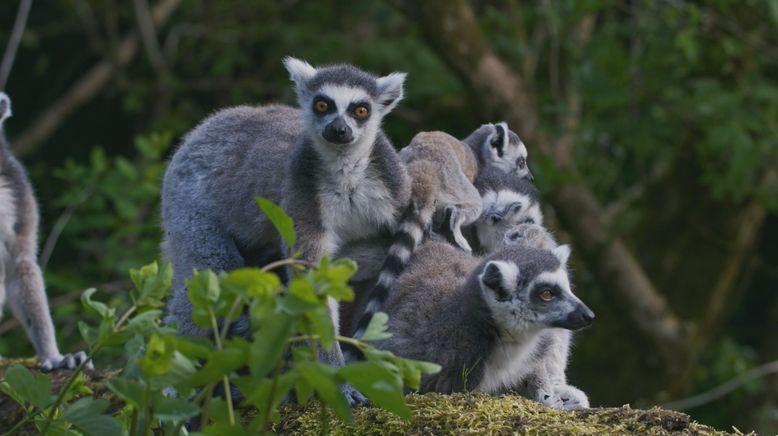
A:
(338, 132)
(579, 318)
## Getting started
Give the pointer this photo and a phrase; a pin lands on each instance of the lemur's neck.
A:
(350, 161)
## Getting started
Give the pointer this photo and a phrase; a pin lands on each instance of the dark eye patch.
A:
(541, 287)
(331, 107)
(355, 105)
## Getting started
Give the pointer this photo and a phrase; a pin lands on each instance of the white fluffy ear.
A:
(5, 107)
(562, 253)
(390, 89)
(299, 70)
(500, 278)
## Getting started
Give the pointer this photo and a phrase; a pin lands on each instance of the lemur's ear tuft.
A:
(498, 137)
(499, 278)
(299, 70)
(5, 107)
(562, 253)
(390, 90)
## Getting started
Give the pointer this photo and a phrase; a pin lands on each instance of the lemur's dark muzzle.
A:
(579, 318)
(338, 132)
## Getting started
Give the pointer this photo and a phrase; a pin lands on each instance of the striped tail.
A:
(413, 226)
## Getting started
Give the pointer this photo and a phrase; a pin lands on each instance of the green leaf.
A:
(258, 390)
(282, 222)
(100, 308)
(36, 389)
(152, 284)
(86, 415)
(159, 355)
(381, 386)
(131, 392)
(221, 363)
(203, 288)
(146, 323)
(175, 410)
(322, 325)
(301, 288)
(270, 341)
(377, 329)
(253, 282)
(320, 376)
(341, 270)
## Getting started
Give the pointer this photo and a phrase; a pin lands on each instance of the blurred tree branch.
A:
(452, 31)
(87, 86)
(20, 23)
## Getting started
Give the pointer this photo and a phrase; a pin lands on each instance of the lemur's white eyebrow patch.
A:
(343, 96)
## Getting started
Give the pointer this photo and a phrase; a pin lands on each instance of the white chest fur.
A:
(7, 211)
(354, 203)
(509, 363)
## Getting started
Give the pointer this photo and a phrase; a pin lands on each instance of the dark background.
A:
(652, 129)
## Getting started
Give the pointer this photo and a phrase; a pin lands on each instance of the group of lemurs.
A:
(447, 233)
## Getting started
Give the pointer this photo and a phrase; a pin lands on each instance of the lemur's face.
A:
(508, 152)
(529, 235)
(532, 291)
(342, 105)
(502, 210)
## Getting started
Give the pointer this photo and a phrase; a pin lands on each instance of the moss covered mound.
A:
(482, 414)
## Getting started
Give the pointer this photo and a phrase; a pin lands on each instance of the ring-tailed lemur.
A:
(328, 164)
(442, 171)
(495, 144)
(490, 323)
(21, 281)
(506, 201)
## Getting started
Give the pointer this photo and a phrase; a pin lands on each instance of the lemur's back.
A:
(222, 165)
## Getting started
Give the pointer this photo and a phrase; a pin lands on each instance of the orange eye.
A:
(321, 106)
(521, 162)
(547, 295)
(361, 112)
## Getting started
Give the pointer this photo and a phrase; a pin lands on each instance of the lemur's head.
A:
(530, 235)
(506, 200)
(527, 289)
(5, 108)
(342, 105)
(507, 152)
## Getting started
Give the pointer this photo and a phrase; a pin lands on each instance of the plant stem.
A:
(273, 384)
(124, 317)
(228, 318)
(21, 423)
(225, 380)
(66, 388)
(149, 412)
(284, 262)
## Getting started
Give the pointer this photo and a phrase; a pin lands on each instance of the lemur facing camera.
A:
(493, 324)
(442, 171)
(328, 164)
(21, 280)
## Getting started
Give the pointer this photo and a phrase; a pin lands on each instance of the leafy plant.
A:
(168, 379)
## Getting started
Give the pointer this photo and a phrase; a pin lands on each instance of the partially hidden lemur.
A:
(494, 324)
(21, 281)
(506, 201)
(328, 164)
(442, 171)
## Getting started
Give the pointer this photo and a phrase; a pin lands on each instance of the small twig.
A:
(149, 36)
(20, 23)
(724, 388)
(59, 227)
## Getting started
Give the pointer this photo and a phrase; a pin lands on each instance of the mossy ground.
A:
(461, 414)
(482, 414)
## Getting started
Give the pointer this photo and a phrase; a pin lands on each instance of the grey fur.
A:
(507, 200)
(482, 320)
(336, 192)
(495, 144)
(21, 280)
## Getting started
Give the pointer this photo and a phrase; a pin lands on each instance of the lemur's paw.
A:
(549, 399)
(353, 396)
(571, 397)
(67, 361)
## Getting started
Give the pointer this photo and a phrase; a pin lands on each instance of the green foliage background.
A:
(679, 96)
